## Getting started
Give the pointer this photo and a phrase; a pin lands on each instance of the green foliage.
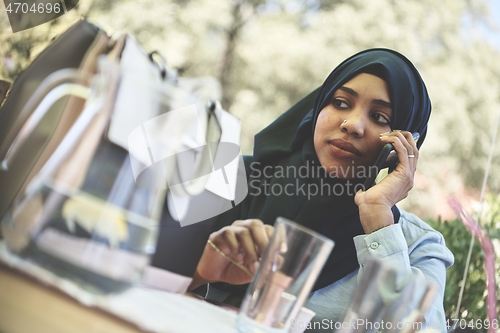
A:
(17, 50)
(458, 240)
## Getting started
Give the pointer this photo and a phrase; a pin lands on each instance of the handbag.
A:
(27, 140)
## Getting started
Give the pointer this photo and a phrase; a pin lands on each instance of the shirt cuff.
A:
(381, 243)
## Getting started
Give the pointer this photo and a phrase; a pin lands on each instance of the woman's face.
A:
(348, 148)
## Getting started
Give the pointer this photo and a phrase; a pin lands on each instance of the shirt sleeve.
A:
(420, 256)
(388, 244)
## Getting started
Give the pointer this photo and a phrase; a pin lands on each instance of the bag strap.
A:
(4, 87)
(56, 86)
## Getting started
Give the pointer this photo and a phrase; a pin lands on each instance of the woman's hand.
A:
(244, 242)
(375, 203)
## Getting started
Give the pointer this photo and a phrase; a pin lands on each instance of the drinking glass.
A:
(289, 268)
(367, 303)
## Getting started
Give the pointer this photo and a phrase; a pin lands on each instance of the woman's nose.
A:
(354, 123)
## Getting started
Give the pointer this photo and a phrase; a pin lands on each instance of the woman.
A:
(335, 134)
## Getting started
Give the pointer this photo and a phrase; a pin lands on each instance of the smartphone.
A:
(387, 159)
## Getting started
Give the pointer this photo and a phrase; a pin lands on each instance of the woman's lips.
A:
(343, 149)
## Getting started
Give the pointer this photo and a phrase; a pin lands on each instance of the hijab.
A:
(284, 159)
(411, 103)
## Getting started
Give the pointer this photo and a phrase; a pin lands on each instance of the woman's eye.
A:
(340, 104)
(380, 119)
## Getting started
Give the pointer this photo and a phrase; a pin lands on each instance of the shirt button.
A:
(374, 245)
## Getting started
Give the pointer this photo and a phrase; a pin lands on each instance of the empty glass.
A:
(289, 268)
(383, 302)
(367, 303)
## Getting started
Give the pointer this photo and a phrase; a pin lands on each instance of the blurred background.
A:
(268, 54)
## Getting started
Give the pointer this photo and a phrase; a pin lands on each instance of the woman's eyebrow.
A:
(349, 91)
(380, 102)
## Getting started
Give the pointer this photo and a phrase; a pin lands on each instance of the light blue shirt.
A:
(412, 247)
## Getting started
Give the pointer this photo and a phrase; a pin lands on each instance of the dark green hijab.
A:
(288, 143)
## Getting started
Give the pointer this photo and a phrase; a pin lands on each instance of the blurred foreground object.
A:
(90, 210)
(380, 304)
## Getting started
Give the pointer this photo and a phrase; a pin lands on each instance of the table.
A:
(49, 304)
(27, 306)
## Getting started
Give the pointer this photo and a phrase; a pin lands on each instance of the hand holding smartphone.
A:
(388, 158)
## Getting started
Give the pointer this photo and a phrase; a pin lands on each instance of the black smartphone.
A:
(388, 158)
